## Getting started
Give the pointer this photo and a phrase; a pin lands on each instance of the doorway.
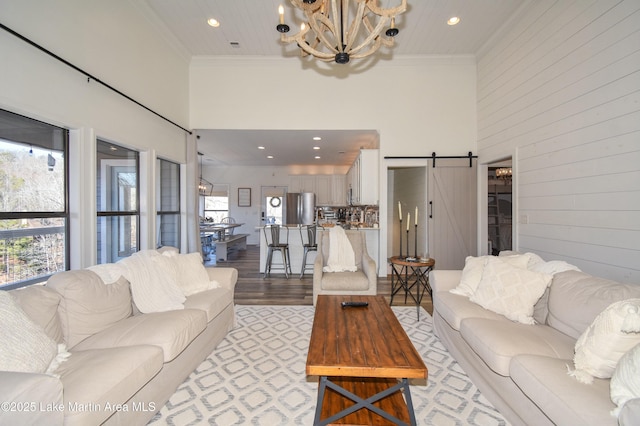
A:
(272, 204)
(499, 207)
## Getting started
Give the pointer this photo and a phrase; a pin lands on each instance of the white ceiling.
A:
(251, 24)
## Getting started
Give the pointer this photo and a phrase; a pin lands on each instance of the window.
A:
(168, 203)
(215, 207)
(118, 200)
(33, 200)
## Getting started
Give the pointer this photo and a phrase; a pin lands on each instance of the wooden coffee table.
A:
(364, 359)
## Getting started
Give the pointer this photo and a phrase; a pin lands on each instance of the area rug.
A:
(256, 376)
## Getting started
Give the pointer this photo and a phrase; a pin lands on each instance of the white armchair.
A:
(362, 282)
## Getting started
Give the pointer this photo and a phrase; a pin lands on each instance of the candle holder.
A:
(408, 255)
(415, 245)
(400, 237)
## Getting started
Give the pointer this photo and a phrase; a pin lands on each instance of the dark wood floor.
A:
(253, 289)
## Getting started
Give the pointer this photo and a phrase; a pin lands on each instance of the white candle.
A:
(281, 12)
(416, 215)
(400, 211)
(408, 221)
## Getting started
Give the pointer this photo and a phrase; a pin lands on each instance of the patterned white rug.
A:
(256, 376)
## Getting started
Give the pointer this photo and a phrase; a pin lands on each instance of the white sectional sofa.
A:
(522, 369)
(117, 365)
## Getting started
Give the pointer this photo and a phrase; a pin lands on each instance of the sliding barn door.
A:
(452, 212)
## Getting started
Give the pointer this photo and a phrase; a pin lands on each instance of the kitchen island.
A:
(296, 251)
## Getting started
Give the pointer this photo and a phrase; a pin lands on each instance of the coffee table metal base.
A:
(401, 385)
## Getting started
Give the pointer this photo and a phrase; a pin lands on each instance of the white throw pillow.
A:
(510, 291)
(611, 334)
(474, 268)
(190, 273)
(625, 381)
(25, 346)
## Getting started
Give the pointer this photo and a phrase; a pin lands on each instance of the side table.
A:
(407, 275)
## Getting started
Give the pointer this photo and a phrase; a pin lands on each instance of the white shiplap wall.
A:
(559, 90)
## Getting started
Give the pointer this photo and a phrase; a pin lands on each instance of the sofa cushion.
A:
(93, 379)
(509, 290)
(212, 302)
(40, 389)
(454, 308)
(544, 380)
(87, 305)
(576, 298)
(613, 333)
(172, 331)
(345, 281)
(625, 385)
(41, 304)
(497, 342)
(25, 346)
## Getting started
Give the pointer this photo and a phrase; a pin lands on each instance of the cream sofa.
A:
(123, 365)
(522, 369)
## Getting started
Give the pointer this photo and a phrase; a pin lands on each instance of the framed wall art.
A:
(244, 197)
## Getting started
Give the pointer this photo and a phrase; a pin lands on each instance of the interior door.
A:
(452, 212)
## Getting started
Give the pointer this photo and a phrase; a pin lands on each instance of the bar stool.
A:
(274, 243)
(309, 244)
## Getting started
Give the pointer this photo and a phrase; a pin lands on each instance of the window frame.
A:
(64, 214)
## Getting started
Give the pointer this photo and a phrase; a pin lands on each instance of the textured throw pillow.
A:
(25, 346)
(474, 267)
(613, 333)
(625, 381)
(89, 306)
(509, 290)
(190, 273)
(152, 289)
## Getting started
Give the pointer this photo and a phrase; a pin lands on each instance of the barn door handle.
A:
(430, 209)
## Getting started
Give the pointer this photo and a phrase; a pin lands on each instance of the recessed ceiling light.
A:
(269, 156)
(317, 138)
(316, 148)
(317, 157)
(454, 20)
(213, 22)
(261, 147)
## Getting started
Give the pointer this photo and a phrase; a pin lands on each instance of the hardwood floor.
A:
(252, 289)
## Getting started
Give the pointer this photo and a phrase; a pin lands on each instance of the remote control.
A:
(354, 304)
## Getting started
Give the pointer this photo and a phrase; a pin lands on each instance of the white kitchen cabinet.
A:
(324, 193)
(338, 190)
(362, 178)
(302, 183)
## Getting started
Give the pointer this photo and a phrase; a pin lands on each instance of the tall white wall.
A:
(114, 42)
(560, 92)
(418, 105)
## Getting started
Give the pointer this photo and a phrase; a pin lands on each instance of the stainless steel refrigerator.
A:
(300, 208)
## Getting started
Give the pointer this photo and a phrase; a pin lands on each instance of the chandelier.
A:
(504, 173)
(204, 186)
(341, 30)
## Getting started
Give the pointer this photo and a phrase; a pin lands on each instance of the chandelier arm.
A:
(373, 6)
(375, 46)
(355, 27)
(337, 24)
(372, 34)
(320, 32)
(299, 38)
